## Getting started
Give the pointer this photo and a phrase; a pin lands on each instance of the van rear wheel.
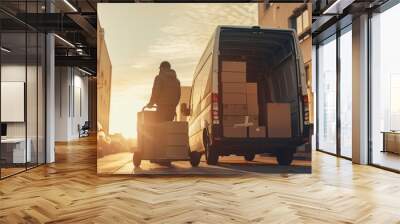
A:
(211, 154)
(284, 157)
(211, 157)
(249, 156)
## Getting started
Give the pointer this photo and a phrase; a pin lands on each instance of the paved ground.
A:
(121, 163)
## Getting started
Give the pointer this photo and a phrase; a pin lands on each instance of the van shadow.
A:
(267, 168)
(264, 165)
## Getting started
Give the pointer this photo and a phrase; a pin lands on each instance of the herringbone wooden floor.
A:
(70, 191)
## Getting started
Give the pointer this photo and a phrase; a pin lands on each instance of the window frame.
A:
(335, 37)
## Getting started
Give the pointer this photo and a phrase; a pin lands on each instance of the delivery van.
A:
(249, 96)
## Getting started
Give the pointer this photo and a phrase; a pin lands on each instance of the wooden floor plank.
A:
(70, 191)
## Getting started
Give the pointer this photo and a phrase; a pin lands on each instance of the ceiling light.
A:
(5, 50)
(64, 40)
(70, 5)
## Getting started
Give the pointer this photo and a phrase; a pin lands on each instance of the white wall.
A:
(71, 103)
(33, 127)
(16, 73)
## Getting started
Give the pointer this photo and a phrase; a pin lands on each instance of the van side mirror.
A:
(184, 109)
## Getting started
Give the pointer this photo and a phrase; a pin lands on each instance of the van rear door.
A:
(264, 63)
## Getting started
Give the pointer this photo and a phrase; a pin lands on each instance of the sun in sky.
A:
(139, 36)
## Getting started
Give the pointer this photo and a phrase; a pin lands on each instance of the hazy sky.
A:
(140, 36)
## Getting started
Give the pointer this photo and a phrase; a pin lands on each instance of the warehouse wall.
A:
(104, 70)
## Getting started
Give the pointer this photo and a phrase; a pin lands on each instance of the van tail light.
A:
(215, 109)
(306, 110)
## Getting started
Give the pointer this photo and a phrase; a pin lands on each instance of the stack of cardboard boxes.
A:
(174, 139)
(165, 140)
(240, 102)
(255, 131)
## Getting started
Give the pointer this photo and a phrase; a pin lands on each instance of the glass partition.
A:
(385, 89)
(13, 94)
(22, 77)
(326, 100)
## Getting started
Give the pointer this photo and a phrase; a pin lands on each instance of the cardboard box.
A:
(235, 109)
(234, 66)
(175, 140)
(156, 140)
(279, 120)
(257, 132)
(147, 117)
(235, 132)
(236, 77)
(174, 127)
(252, 104)
(147, 138)
(392, 142)
(231, 120)
(176, 152)
(253, 119)
(252, 98)
(233, 87)
(233, 98)
(251, 87)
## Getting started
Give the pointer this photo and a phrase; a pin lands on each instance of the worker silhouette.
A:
(166, 92)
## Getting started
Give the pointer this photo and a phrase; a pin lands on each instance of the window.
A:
(385, 89)
(306, 21)
(300, 21)
(394, 102)
(267, 4)
(326, 101)
(346, 93)
(334, 94)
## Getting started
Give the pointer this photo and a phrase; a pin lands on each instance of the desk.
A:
(391, 142)
(13, 150)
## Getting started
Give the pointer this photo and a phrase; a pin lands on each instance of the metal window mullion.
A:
(317, 97)
(37, 91)
(26, 87)
(369, 91)
(338, 95)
